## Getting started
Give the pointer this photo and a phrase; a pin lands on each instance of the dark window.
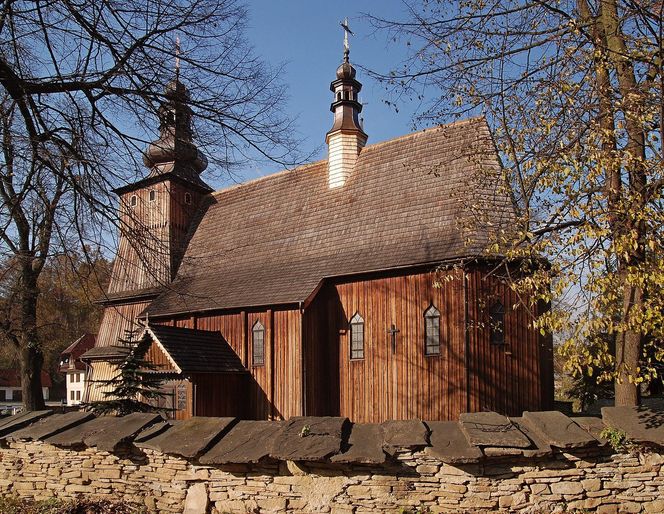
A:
(71, 395)
(78, 395)
(153, 195)
(187, 198)
(181, 397)
(357, 337)
(339, 95)
(258, 344)
(133, 201)
(431, 331)
(497, 323)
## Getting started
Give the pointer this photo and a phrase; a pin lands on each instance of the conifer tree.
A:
(136, 387)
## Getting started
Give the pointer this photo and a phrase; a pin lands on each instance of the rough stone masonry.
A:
(540, 462)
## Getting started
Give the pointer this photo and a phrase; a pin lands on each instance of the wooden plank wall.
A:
(511, 378)
(153, 236)
(218, 394)
(394, 385)
(117, 319)
(407, 383)
(156, 356)
(273, 390)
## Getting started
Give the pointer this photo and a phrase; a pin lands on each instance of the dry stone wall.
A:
(546, 463)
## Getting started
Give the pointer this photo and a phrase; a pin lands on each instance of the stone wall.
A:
(174, 476)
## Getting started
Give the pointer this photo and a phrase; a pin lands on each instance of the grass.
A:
(14, 505)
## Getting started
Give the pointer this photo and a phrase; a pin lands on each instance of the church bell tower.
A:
(156, 211)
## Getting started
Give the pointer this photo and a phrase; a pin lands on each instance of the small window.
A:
(258, 344)
(432, 331)
(78, 395)
(133, 201)
(497, 323)
(339, 96)
(187, 198)
(71, 395)
(357, 337)
(346, 95)
(153, 195)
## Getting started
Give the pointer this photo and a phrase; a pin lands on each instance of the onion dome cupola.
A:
(345, 105)
(346, 138)
(175, 153)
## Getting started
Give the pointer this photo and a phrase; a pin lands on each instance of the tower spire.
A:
(177, 59)
(346, 138)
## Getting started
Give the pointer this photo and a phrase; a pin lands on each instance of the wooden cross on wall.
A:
(393, 331)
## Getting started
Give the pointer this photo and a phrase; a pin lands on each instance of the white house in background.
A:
(10, 385)
(74, 369)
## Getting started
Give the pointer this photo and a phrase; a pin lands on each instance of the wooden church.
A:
(356, 286)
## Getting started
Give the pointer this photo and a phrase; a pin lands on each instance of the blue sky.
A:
(306, 38)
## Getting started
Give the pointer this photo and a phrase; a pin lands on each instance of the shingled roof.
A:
(196, 351)
(406, 203)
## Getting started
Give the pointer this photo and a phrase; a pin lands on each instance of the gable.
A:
(273, 240)
(186, 350)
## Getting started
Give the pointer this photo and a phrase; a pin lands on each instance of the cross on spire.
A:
(177, 58)
(344, 25)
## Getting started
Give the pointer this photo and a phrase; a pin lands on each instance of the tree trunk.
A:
(30, 353)
(31, 365)
(628, 352)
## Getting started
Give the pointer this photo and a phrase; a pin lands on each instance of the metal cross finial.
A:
(177, 58)
(344, 25)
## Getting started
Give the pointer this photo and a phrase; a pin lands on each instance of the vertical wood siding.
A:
(272, 390)
(153, 236)
(514, 377)
(407, 383)
(117, 319)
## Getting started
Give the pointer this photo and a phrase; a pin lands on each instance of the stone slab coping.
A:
(540, 446)
(641, 424)
(365, 445)
(475, 437)
(309, 438)
(248, 442)
(450, 445)
(105, 432)
(557, 430)
(409, 433)
(51, 425)
(188, 438)
(594, 426)
(492, 429)
(18, 421)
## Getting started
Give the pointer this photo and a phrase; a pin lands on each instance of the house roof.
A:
(195, 351)
(407, 202)
(74, 351)
(12, 378)
(105, 352)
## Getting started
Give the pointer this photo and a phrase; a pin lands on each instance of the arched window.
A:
(133, 200)
(357, 337)
(153, 195)
(339, 96)
(187, 198)
(258, 344)
(431, 331)
(497, 323)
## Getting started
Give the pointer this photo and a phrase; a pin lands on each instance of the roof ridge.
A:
(405, 137)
